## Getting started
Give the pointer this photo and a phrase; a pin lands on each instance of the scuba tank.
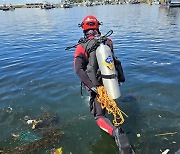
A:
(108, 72)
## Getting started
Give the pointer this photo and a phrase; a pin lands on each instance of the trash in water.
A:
(9, 109)
(43, 122)
(171, 133)
(138, 135)
(165, 152)
(33, 143)
(27, 136)
(33, 123)
(15, 135)
(58, 151)
(45, 133)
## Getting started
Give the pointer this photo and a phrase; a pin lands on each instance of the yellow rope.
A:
(110, 106)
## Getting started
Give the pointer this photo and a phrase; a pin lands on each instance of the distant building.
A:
(33, 5)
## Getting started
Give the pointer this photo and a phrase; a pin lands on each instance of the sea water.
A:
(37, 76)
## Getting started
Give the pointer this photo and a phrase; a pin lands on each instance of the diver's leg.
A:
(103, 122)
(106, 125)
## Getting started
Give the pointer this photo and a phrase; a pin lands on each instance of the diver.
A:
(87, 69)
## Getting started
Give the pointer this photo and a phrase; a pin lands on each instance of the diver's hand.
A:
(94, 89)
(120, 83)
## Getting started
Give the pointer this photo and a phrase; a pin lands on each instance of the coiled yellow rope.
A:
(110, 106)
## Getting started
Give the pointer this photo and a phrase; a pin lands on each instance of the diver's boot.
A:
(122, 142)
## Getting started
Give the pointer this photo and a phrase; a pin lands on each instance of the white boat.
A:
(174, 3)
(47, 6)
(67, 5)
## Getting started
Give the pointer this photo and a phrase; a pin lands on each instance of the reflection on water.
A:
(36, 74)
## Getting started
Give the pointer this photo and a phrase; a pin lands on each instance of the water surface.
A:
(36, 75)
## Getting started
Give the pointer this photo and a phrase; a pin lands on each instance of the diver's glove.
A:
(120, 83)
(94, 90)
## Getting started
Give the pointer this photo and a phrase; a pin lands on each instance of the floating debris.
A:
(43, 122)
(33, 123)
(165, 152)
(82, 117)
(166, 134)
(58, 151)
(138, 135)
(43, 133)
(27, 136)
(8, 109)
(15, 135)
(49, 138)
(47, 120)
(159, 116)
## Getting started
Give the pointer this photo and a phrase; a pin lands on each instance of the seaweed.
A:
(44, 134)
(49, 138)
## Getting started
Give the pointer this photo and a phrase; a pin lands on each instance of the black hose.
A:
(109, 33)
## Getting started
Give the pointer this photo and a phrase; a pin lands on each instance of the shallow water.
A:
(36, 75)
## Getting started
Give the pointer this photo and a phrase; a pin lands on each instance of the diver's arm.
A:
(79, 68)
(80, 63)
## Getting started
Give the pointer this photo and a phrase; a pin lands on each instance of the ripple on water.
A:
(36, 72)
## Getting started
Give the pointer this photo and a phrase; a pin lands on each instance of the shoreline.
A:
(59, 5)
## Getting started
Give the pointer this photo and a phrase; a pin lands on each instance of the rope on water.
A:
(110, 105)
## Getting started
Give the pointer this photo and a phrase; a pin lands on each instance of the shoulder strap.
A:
(90, 45)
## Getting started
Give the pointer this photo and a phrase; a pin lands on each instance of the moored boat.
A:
(170, 3)
(5, 9)
(67, 5)
(47, 6)
(174, 3)
(8, 8)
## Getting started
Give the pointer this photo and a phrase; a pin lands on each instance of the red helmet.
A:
(90, 22)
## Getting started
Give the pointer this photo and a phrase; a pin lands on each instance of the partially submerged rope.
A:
(110, 106)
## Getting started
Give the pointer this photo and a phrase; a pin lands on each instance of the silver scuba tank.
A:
(108, 71)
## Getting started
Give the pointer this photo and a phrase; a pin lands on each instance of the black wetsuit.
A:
(81, 61)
